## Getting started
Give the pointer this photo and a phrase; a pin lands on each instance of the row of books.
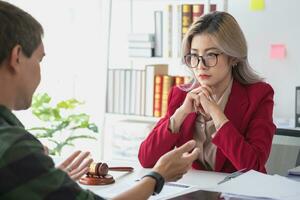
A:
(141, 92)
(170, 26)
(178, 20)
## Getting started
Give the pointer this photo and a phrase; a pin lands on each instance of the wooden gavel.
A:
(101, 169)
(98, 174)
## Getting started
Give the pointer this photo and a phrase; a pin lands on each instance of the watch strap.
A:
(160, 181)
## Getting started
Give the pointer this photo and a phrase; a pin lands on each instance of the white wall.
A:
(278, 23)
(74, 65)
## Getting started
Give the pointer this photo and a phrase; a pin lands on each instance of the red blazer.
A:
(242, 142)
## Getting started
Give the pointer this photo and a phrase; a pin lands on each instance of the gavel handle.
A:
(123, 169)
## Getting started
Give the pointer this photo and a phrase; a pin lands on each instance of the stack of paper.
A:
(256, 185)
(295, 171)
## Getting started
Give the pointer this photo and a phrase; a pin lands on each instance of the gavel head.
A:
(98, 169)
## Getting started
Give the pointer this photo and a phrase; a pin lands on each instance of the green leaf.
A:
(79, 137)
(93, 127)
(39, 100)
(69, 104)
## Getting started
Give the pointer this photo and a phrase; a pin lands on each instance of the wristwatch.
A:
(160, 181)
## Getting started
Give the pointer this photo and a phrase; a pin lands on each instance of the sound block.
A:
(97, 180)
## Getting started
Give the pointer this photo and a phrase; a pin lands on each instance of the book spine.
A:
(150, 90)
(133, 92)
(198, 10)
(138, 94)
(116, 91)
(169, 35)
(166, 86)
(122, 91)
(158, 32)
(110, 92)
(141, 52)
(143, 92)
(140, 37)
(213, 7)
(178, 80)
(186, 18)
(136, 45)
(157, 95)
(179, 30)
(127, 91)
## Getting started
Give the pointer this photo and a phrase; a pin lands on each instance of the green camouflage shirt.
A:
(25, 171)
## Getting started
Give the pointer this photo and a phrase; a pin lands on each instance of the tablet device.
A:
(199, 195)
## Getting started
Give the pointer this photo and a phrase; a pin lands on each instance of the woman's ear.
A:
(15, 57)
(233, 61)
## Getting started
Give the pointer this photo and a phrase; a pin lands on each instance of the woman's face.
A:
(217, 71)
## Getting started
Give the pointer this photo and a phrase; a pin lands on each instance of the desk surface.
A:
(200, 179)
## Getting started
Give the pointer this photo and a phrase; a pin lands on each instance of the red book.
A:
(198, 10)
(213, 7)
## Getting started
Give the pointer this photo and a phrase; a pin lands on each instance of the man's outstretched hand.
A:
(77, 164)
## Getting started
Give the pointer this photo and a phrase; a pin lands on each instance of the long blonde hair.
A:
(228, 36)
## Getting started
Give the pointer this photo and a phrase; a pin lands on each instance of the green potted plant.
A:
(61, 123)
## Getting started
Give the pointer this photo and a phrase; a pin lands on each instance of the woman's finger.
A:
(208, 89)
(196, 90)
(197, 100)
(205, 92)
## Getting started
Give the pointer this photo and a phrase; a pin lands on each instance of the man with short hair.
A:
(26, 171)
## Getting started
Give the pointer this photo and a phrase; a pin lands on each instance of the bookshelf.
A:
(141, 20)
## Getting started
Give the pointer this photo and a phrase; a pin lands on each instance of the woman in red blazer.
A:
(227, 108)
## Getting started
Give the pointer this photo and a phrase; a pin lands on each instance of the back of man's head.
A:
(17, 27)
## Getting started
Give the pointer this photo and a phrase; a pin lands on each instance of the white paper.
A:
(260, 186)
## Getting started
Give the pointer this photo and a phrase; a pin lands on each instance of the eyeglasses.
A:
(208, 60)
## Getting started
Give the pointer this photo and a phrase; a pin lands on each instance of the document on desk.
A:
(170, 189)
(256, 185)
(295, 171)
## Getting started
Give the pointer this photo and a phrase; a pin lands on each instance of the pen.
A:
(177, 185)
(233, 175)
